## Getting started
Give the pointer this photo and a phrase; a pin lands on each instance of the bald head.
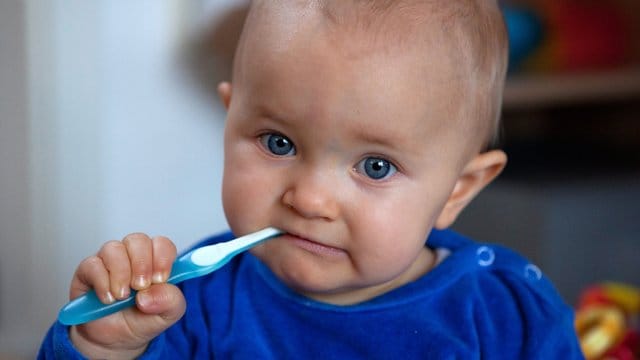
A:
(468, 34)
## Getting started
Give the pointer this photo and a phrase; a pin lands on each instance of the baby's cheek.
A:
(235, 197)
(393, 246)
(245, 201)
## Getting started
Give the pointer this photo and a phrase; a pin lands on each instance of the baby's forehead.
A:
(440, 37)
(361, 28)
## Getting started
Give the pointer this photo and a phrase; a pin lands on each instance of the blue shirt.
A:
(482, 301)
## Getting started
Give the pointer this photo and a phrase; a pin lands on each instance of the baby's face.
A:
(352, 154)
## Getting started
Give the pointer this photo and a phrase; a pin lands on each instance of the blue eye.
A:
(376, 168)
(279, 145)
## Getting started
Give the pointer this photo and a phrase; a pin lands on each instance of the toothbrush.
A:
(198, 262)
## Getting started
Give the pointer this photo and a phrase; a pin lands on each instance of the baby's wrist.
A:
(92, 350)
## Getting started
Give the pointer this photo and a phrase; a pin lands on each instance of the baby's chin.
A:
(339, 297)
(298, 274)
(319, 287)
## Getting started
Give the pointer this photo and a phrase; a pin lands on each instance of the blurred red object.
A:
(607, 317)
(595, 295)
(628, 349)
(584, 35)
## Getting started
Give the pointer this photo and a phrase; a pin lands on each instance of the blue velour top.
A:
(482, 301)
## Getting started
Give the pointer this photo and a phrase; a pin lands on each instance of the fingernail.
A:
(144, 299)
(158, 278)
(109, 297)
(124, 292)
(141, 282)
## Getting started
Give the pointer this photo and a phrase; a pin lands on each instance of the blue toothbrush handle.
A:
(197, 262)
(88, 306)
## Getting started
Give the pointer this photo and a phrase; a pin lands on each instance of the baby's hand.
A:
(137, 262)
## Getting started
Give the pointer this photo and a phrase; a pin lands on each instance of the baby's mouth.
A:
(314, 247)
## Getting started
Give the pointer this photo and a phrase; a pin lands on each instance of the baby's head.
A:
(357, 126)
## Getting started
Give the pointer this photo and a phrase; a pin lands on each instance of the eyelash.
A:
(361, 167)
(267, 140)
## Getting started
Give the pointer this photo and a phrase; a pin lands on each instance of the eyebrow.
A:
(361, 132)
(263, 110)
(383, 137)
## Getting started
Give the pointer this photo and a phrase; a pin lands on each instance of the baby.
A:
(361, 129)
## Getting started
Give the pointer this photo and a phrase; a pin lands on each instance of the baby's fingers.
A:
(140, 252)
(164, 254)
(159, 307)
(116, 260)
(91, 273)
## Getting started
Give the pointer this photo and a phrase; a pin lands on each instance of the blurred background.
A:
(570, 196)
(109, 124)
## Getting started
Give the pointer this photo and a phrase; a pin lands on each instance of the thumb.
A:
(159, 307)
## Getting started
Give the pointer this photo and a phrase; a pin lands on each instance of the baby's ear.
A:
(477, 174)
(224, 92)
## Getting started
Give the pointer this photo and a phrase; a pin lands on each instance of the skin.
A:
(340, 100)
(136, 262)
(349, 236)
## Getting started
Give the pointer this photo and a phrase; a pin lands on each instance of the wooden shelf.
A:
(544, 90)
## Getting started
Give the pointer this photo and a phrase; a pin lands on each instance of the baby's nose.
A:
(313, 196)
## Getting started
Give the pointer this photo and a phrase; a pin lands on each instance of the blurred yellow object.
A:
(599, 329)
(606, 321)
(625, 296)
